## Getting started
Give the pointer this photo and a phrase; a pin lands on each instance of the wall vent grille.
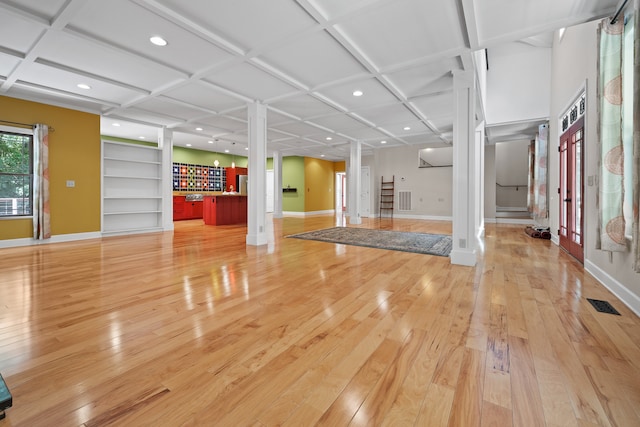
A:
(404, 200)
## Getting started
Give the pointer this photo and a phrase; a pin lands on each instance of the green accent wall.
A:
(293, 176)
(206, 158)
(74, 154)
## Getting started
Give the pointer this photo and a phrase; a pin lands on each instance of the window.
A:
(16, 172)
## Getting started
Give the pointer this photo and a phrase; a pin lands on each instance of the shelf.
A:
(148, 162)
(132, 177)
(132, 230)
(132, 197)
(131, 188)
(131, 212)
(387, 193)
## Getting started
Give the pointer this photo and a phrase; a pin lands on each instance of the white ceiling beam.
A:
(547, 27)
(91, 76)
(470, 23)
(190, 26)
(66, 94)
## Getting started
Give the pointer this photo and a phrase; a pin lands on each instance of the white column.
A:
(277, 184)
(464, 170)
(479, 178)
(165, 143)
(257, 174)
(355, 161)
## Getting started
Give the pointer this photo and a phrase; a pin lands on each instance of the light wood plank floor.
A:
(195, 328)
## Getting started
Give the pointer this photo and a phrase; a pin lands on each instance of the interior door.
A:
(365, 196)
(572, 190)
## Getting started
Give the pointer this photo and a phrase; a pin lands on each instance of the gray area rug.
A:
(422, 243)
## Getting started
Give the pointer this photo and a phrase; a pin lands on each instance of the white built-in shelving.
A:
(131, 188)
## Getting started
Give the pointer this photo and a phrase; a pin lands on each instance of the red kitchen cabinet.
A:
(224, 210)
(178, 208)
(183, 209)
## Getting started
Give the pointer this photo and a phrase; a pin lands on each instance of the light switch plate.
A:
(71, 183)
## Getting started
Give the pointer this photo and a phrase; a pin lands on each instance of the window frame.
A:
(29, 133)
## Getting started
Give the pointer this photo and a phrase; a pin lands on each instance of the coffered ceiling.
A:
(304, 59)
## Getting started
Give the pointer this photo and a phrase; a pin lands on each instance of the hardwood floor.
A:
(195, 328)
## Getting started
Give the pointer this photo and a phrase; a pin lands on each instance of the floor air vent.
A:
(603, 306)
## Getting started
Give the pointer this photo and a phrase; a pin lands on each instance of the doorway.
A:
(341, 192)
(572, 190)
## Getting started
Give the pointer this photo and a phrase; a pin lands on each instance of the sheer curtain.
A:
(540, 209)
(636, 141)
(531, 176)
(611, 222)
(41, 216)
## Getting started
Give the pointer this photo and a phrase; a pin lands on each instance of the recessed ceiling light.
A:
(407, 128)
(141, 137)
(226, 151)
(328, 138)
(198, 128)
(210, 142)
(84, 86)
(246, 148)
(321, 155)
(116, 125)
(357, 93)
(188, 145)
(383, 142)
(158, 41)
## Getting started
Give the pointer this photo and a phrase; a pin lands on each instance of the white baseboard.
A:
(512, 209)
(514, 221)
(555, 239)
(14, 243)
(629, 299)
(424, 217)
(463, 257)
(304, 214)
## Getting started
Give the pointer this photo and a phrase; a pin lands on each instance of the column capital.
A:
(463, 78)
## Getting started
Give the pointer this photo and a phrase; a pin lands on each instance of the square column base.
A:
(463, 257)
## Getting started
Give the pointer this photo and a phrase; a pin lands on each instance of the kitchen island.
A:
(225, 209)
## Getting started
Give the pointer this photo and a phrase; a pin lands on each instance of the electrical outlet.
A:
(71, 183)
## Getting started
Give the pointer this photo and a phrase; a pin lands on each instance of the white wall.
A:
(512, 168)
(490, 183)
(431, 188)
(518, 83)
(574, 63)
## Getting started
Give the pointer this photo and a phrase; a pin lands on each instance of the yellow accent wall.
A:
(340, 166)
(319, 185)
(74, 154)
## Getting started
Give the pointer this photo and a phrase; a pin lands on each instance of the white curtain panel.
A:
(611, 222)
(41, 214)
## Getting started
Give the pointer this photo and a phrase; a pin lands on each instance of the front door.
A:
(572, 190)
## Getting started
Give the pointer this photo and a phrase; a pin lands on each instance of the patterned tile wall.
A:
(188, 177)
